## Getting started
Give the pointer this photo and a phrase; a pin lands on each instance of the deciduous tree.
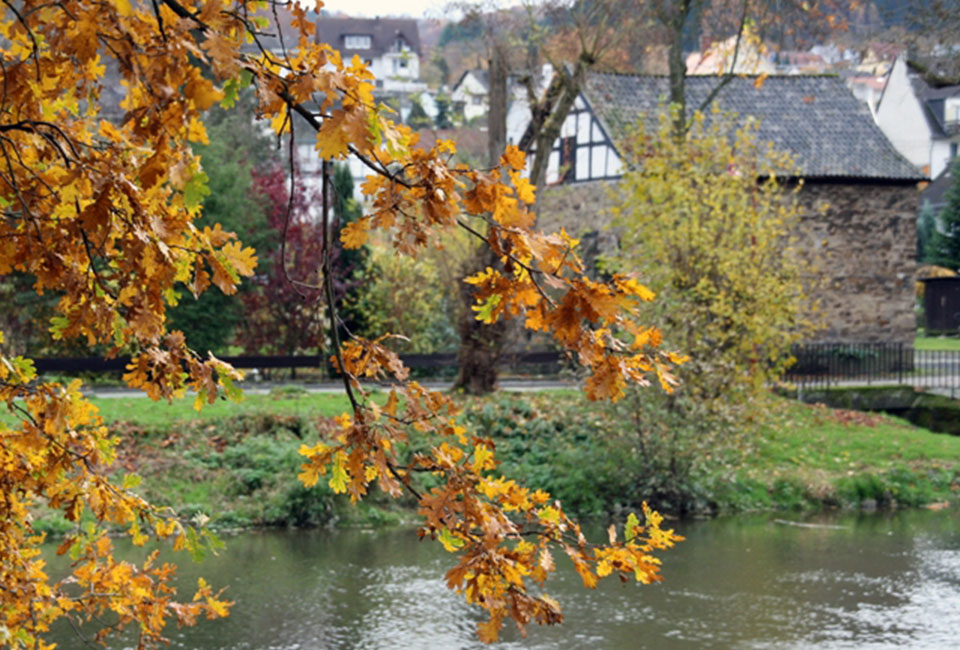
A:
(105, 215)
(573, 37)
(710, 227)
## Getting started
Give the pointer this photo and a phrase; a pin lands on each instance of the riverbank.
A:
(237, 464)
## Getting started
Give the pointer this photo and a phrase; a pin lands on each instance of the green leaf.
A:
(630, 530)
(24, 368)
(197, 551)
(449, 541)
(131, 481)
(232, 88)
(234, 393)
(57, 325)
(214, 543)
(196, 189)
(485, 309)
(549, 513)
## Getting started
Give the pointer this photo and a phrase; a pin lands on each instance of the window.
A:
(399, 44)
(357, 41)
(476, 100)
(568, 159)
(953, 150)
(403, 62)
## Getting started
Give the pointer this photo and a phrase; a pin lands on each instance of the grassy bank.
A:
(801, 457)
(237, 464)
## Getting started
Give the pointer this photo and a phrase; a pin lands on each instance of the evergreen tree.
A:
(945, 244)
(926, 227)
(351, 262)
(236, 145)
(443, 111)
(418, 118)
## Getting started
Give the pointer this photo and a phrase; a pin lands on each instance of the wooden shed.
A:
(941, 302)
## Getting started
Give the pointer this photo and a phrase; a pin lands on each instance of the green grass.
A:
(828, 440)
(801, 457)
(839, 457)
(147, 413)
(238, 463)
(936, 343)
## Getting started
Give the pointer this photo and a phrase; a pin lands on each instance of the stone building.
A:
(860, 195)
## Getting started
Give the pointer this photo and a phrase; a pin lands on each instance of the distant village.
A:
(868, 131)
(435, 74)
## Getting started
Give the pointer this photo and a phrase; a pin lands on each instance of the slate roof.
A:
(815, 118)
(482, 75)
(383, 33)
(936, 192)
(933, 101)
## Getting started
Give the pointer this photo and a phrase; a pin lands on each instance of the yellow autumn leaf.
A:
(513, 158)
(354, 234)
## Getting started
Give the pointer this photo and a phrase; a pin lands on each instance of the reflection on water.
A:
(881, 581)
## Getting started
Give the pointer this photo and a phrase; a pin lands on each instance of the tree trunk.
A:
(678, 68)
(550, 131)
(481, 344)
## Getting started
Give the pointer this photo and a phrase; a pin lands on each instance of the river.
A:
(874, 581)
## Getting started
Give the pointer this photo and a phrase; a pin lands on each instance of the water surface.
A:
(877, 581)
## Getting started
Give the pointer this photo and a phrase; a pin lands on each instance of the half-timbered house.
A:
(860, 195)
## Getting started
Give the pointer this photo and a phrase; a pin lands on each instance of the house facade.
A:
(389, 46)
(922, 121)
(859, 196)
(471, 93)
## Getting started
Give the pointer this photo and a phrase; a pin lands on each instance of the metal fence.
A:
(540, 362)
(832, 364)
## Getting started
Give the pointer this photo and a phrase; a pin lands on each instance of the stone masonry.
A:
(860, 237)
(863, 245)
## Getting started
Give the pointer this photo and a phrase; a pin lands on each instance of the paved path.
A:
(516, 385)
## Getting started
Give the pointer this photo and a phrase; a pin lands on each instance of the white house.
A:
(390, 46)
(922, 122)
(470, 93)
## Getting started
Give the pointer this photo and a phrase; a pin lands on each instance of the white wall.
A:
(595, 159)
(901, 118)
(473, 95)
(940, 156)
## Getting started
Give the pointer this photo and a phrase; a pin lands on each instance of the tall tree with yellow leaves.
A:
(104, 213)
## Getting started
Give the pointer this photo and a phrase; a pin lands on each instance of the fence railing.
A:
(542, 359)
(830, 364)
(818, 364)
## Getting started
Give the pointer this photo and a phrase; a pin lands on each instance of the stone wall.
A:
(863, 240)
(860, 237)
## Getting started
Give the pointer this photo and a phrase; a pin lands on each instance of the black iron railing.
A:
(547, 360)
(828, 364)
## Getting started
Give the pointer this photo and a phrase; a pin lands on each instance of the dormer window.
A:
(357, 41)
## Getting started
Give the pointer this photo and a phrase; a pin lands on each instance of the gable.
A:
(368, 37)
